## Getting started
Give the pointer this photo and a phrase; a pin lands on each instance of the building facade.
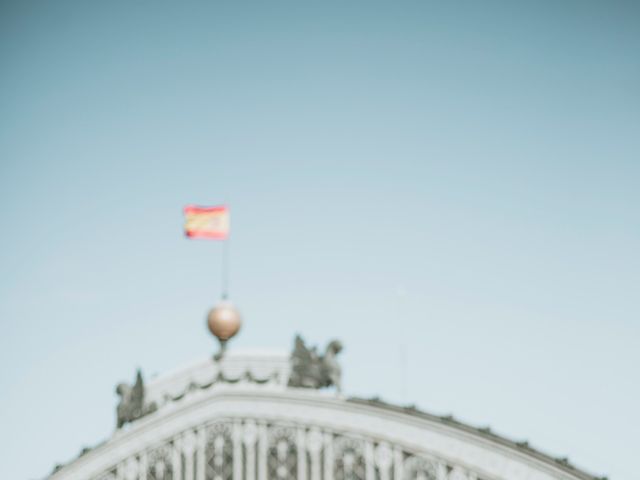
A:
(264, 416)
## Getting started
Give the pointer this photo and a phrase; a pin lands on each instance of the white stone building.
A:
(239, 418)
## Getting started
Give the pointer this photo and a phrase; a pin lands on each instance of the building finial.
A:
(224, 322)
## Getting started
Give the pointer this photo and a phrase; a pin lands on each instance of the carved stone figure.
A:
(312, 370)
(132, 405)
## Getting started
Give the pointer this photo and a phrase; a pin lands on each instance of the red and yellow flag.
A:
(206, 222)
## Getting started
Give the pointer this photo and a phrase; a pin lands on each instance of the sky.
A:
(450, 188)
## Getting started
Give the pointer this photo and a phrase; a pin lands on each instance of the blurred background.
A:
(450, 189)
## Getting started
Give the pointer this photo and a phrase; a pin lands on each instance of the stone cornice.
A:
(495, 457)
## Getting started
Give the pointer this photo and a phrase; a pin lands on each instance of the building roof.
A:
(484, 432)
(257, 384)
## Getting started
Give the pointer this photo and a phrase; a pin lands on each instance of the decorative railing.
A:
(248, 449)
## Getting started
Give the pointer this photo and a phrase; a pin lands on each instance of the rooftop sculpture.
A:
(132, 404)
(309, 369)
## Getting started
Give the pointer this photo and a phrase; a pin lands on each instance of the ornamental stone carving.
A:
(132, 403)
(255, 449)
(309, 369)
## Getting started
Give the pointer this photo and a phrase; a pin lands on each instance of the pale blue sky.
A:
(452, 190)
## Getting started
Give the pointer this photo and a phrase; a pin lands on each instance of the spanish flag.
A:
(206, 222)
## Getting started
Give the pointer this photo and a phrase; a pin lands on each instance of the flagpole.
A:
(225, 268)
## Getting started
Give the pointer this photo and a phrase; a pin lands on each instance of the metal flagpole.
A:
(225, 268)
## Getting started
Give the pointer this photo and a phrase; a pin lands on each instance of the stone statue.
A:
(312, 370)
(132, 405)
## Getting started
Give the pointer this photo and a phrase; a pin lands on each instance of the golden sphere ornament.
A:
(224, 322)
